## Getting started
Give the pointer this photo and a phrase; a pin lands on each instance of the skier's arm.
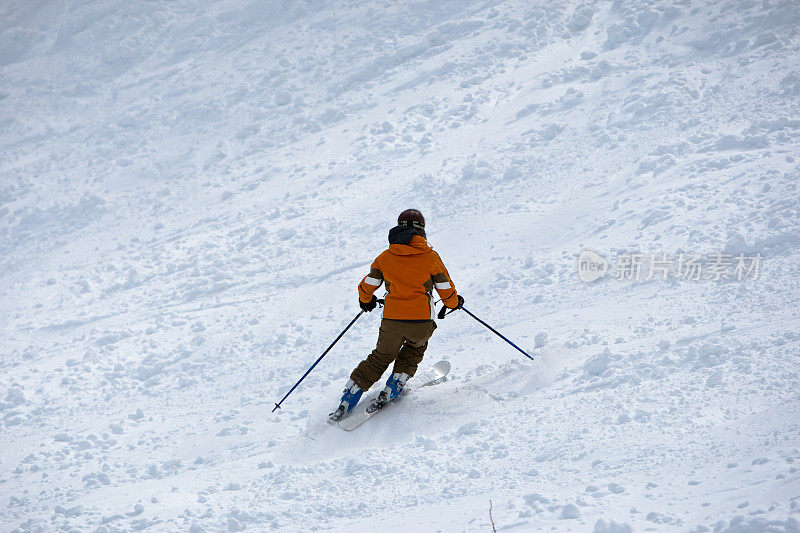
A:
(444, 285)
(370, 283)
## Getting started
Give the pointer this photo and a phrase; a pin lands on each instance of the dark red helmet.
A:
(412, 218)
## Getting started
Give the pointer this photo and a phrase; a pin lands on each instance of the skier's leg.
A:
(390, 340)
(416, 341)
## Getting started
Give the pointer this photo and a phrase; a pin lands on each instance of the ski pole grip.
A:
(444, 311)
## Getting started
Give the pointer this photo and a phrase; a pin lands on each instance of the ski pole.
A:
(496, 332)
(278, 405)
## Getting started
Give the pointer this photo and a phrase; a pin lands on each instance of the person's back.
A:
(411, 270)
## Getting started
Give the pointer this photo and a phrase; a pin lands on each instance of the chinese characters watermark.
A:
(716, 266)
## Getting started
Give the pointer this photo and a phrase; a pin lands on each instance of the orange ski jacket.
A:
(411, 269)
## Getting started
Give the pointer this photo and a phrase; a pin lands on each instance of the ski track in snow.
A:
(190, 192)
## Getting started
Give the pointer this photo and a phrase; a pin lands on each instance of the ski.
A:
(434, 375)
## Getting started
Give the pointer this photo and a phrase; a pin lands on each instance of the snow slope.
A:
(190, 192)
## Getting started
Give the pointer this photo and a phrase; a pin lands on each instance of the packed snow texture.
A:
(190, 192)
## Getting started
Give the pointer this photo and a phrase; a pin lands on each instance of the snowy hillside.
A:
(191, 191)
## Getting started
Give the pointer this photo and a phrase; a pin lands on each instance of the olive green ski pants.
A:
(398, 341)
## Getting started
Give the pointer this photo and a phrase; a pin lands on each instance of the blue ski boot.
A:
(352, 393)
(395, 386)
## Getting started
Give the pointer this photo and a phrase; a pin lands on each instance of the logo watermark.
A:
(681, 266)
(591, 266)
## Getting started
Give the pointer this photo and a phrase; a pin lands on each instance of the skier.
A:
(411, 270)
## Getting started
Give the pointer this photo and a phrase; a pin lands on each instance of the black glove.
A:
(370, 305)
(444, 310)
